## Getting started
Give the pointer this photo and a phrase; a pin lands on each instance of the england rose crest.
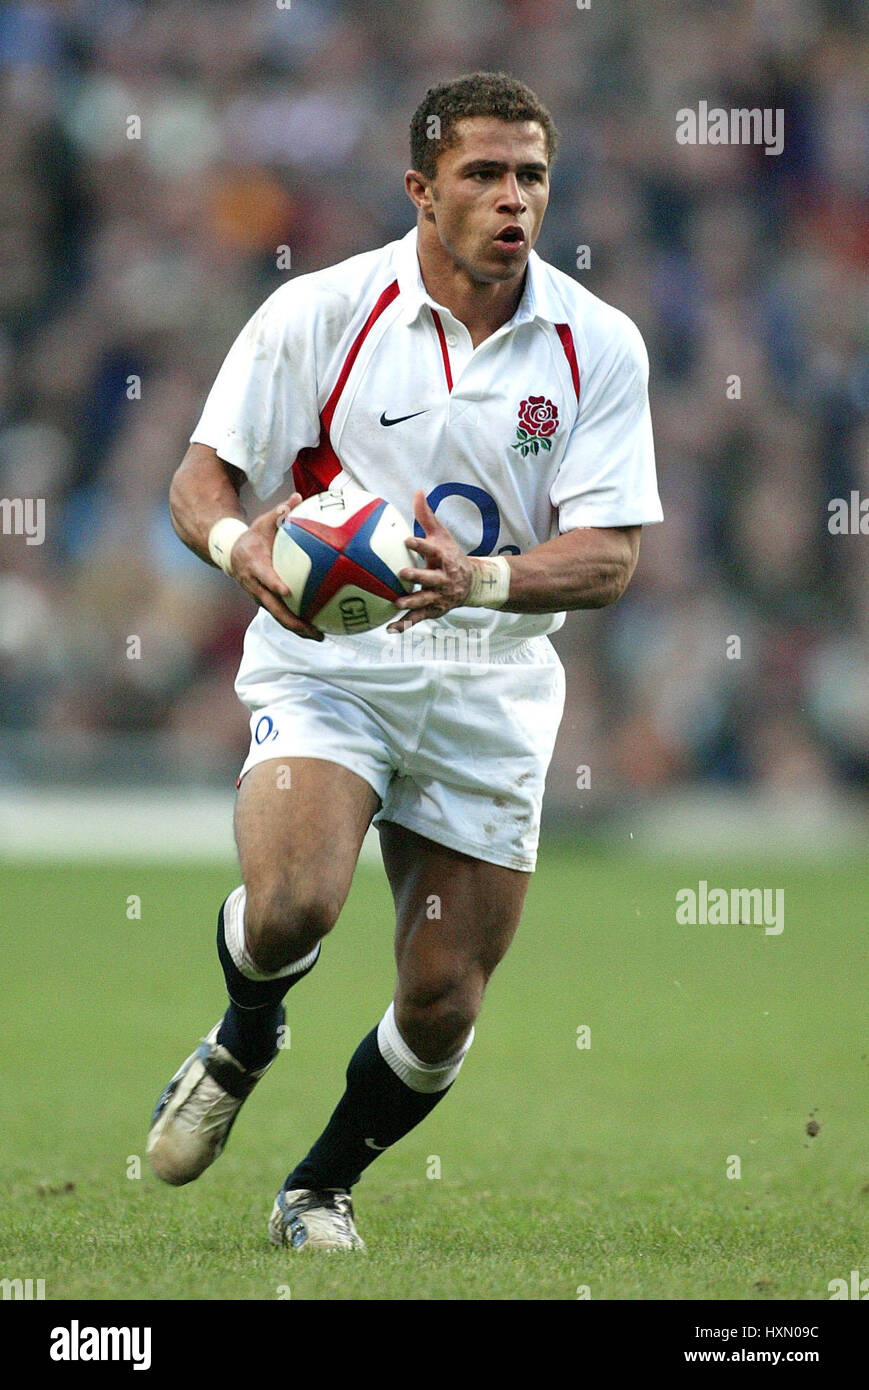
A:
(538, 422)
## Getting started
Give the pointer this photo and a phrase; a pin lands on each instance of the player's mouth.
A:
(511, 239)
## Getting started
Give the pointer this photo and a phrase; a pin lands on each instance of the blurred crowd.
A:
(155, 157)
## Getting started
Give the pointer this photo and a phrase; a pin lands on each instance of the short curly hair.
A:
(475, 94)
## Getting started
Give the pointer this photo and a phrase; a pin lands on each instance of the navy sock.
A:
(251, 1035)
(376, 1110)
(249, 1030)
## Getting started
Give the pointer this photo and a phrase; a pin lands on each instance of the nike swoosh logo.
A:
(398, 419)
(370, 1142)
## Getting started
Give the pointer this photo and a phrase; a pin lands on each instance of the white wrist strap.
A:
(490, 585)
(222, 537)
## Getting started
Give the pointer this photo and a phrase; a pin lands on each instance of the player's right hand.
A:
(251, 565)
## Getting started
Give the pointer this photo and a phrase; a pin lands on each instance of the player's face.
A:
(489, 195)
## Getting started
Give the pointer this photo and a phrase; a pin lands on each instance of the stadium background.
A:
(606, 1168)
(264, 128)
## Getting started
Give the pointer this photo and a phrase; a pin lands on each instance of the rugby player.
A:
(490, 396)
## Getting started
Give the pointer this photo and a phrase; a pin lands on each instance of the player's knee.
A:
(434, 1016)
(280, 928)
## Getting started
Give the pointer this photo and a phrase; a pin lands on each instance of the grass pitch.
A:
(610, 1167)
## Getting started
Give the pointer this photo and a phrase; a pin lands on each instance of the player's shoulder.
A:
(330, 298)
(602, 333)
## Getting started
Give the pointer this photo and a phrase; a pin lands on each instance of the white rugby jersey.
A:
(355, 374)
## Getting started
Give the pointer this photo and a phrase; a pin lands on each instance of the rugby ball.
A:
(340, 552)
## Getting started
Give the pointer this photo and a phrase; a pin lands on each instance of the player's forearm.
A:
(203, 491)
(586, 568)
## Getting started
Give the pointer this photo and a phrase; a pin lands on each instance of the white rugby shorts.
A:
(456, 749)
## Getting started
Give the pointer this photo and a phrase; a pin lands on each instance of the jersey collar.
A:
(414, 295)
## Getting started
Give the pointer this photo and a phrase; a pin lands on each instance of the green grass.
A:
(559, 1167)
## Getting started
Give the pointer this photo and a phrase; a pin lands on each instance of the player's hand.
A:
(252, 567)
(446, 580)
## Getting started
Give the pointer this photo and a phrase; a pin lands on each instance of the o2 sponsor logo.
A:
(264, 729)
(487, 507)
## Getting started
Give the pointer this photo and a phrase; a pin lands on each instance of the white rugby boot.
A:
(321, 1220)
(196, 1111)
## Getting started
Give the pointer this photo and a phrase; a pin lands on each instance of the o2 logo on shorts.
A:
(489, 515)
(264, 729)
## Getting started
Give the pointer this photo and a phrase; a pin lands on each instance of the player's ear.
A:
(418, 190)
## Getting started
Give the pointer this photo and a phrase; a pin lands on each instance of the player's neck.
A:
(482, 307)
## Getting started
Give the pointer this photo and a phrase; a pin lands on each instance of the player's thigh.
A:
(455, 915)
(299, 827)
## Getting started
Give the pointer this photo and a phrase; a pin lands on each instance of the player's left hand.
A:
(446, 580)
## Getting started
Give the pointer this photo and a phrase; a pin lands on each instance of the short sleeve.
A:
(262, 409)
(607, 476)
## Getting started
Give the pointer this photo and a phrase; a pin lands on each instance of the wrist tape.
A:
(222, 537)
(490, 585)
